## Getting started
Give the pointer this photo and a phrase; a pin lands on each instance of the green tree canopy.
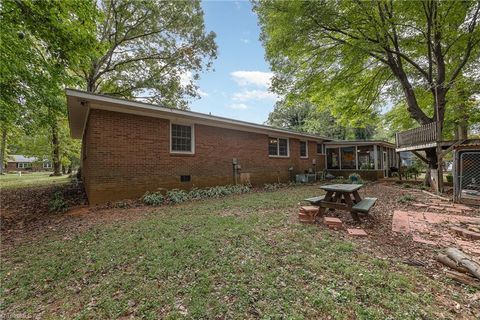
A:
(356, 55)
(305, 117)
(151, 50)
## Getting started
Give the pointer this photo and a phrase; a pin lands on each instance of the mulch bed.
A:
(378, 225)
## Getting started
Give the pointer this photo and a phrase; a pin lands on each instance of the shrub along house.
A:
(372, 159)
(130, 147)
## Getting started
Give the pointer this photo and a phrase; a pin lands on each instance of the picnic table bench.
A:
(343, 197)
(315, 201)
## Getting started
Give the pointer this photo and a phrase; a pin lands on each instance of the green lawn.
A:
(13, 180)
(238, 257)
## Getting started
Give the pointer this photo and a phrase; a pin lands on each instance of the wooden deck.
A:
(421, 138)
(418, 138)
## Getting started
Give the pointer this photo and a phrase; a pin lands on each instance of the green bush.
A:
(407, 186)
(367, 166)
(120, 205)
(449, 177)
(177, 196)
(57, 203)
(153, 199)
(353, 177)
(406, 198)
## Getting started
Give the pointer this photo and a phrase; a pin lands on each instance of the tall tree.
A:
(151, 50)
(43, 40)
(360, 52)
(305, 117)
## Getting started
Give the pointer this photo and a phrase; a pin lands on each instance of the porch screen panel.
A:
(333, 158)
(348, 157)
(380, 157)
(365, 158)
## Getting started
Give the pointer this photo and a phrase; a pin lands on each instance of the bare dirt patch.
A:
(24, 206)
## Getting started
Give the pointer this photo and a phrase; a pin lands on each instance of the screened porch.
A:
(376, 159)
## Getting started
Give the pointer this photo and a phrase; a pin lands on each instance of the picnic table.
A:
(343, 197)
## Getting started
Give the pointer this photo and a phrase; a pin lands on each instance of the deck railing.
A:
(423, 135)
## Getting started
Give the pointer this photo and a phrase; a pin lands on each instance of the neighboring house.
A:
(17, 162)
(129, 148)
(408, 158)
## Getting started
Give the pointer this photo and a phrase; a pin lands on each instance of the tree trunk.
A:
(431, 156)
(445, 260)
(464, 260)
(57, 170)
(461, 132)
(3, 148)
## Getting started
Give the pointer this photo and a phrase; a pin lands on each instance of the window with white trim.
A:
(24, 165)
(278, 147)
(47, 165)
(181, 138)
(303, 149)
(320, 148)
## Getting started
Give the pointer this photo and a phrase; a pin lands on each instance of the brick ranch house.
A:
(16, 162)
(130, 147)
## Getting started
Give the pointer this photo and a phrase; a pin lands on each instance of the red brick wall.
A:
(12, 166)
(126, 155)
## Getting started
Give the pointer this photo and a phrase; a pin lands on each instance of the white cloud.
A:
(186, 78)
(202, 93)
(257, 78)
(254, 95)
(238, 106)
(244, 40)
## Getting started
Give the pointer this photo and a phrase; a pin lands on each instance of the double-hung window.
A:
(303, 149)
(278, 147)
(320, 148)
(182, 138)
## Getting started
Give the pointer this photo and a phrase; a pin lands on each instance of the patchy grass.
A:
(238, 257)
(406, 198)
(12, 181)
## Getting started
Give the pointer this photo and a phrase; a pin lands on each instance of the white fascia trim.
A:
(176, 112)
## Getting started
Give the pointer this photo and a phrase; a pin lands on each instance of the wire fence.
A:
(468, 176)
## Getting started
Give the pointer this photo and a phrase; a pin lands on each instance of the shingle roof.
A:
(20, 158)
(79, 102)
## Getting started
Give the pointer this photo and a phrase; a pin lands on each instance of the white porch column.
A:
(356, 157)
(340, 158)
(375, 155)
